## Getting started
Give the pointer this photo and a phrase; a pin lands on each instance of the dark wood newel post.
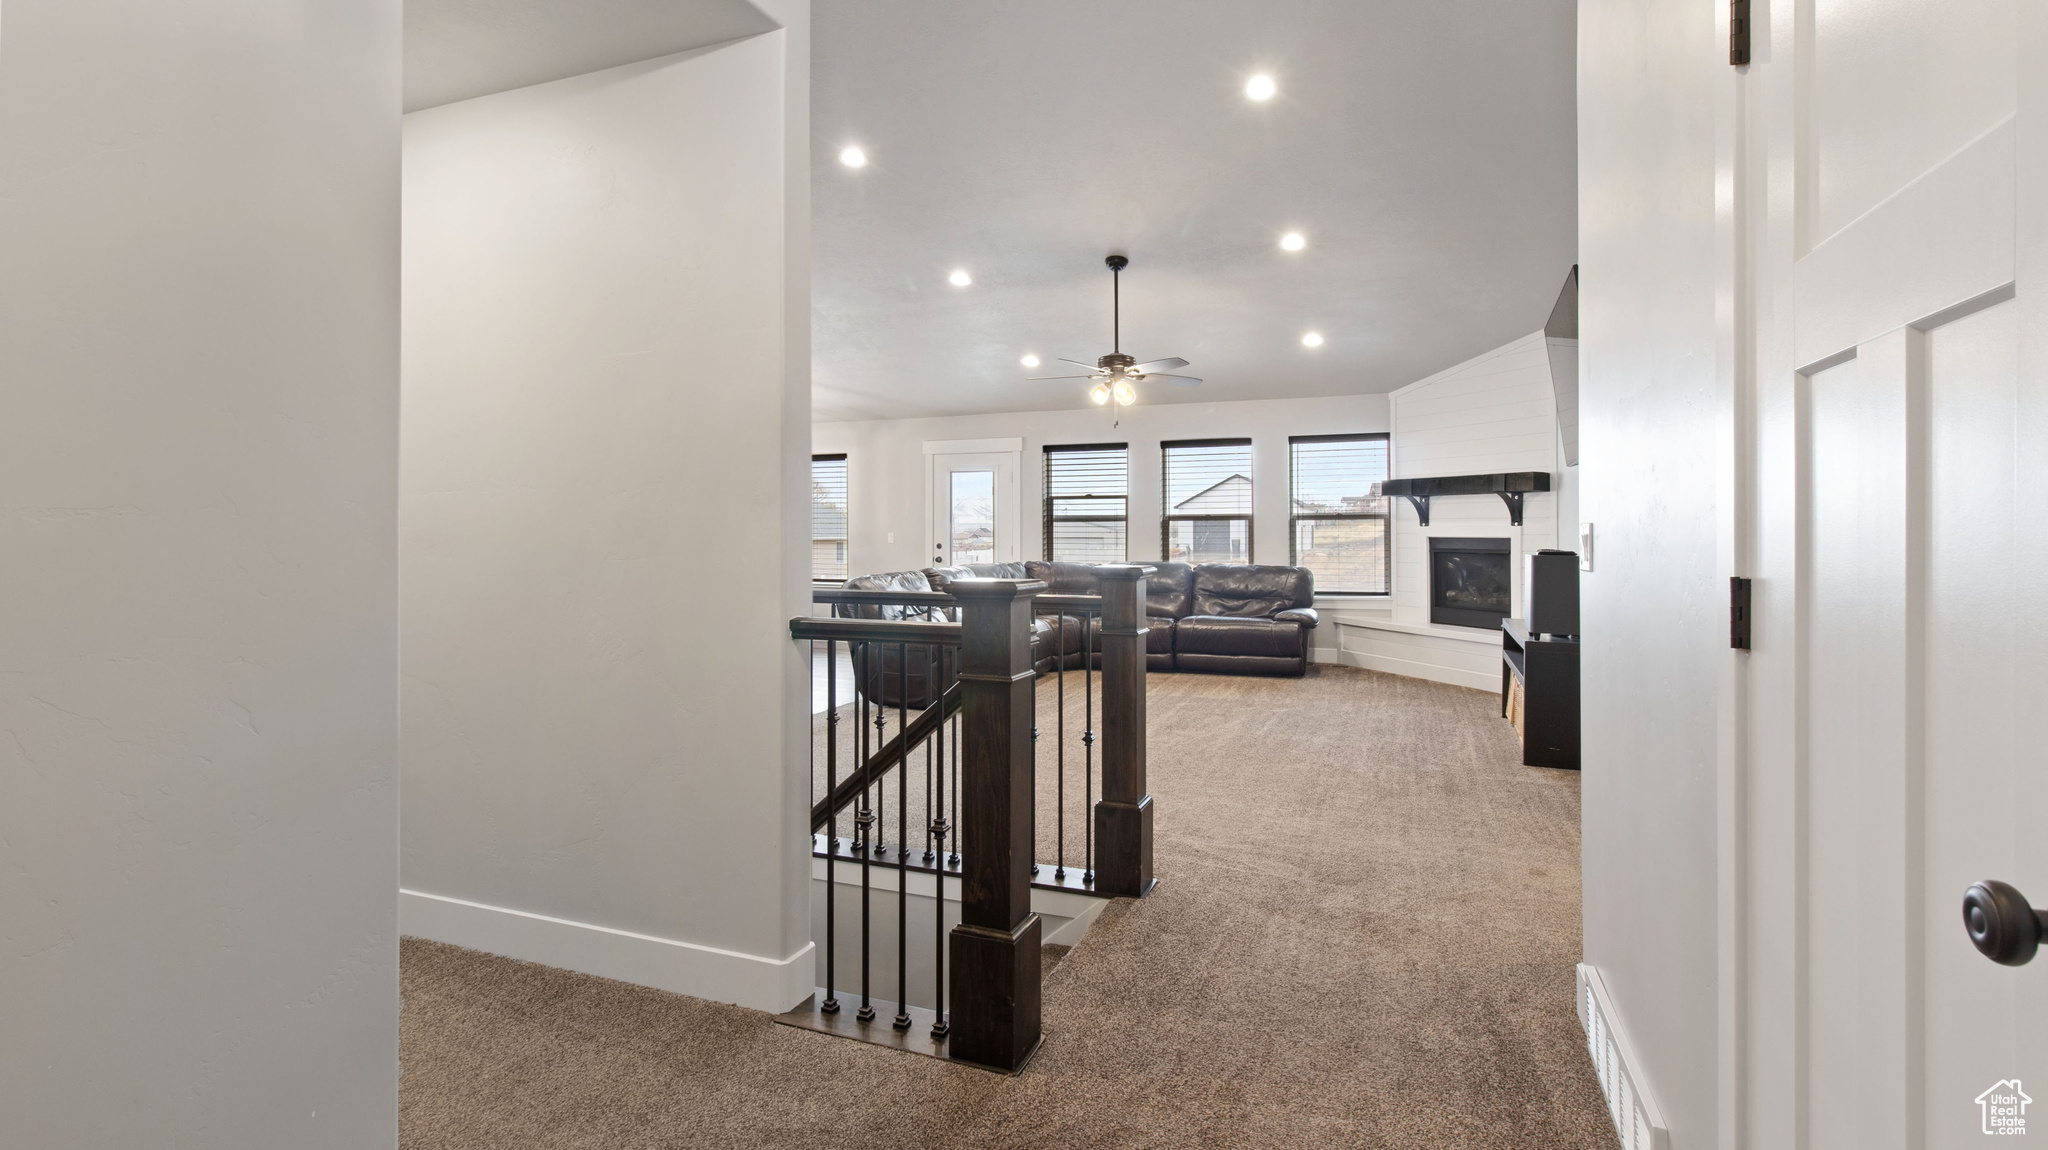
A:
(995, 950)
(1123, 817)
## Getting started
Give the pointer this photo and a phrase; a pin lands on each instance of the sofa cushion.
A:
(889, 581)
(1065, 578)
(1251, 592)
(1241, 664)
(1224, 635)
(1170, 590)
(1159, 636)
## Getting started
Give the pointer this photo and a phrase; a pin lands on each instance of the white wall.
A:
(886, 470)
(1654, 608)
(606, 408)
(198, 531)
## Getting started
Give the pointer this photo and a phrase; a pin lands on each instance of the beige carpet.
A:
(1363, 936)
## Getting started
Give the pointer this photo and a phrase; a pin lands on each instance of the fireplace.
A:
(1468, 582)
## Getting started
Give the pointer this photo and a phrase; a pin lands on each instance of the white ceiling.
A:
(1425, 149)
(457, 49)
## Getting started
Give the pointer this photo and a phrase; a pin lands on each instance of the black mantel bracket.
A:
(1510, 486)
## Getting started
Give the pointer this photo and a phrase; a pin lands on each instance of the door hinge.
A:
(1738, 613)
(1738, 32)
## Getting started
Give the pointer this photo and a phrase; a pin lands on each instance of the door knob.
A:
(2002, 923)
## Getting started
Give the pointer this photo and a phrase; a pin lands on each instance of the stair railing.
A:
(957, 671)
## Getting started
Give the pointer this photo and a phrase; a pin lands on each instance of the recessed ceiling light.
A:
(960, 278)
(1259, 87)
(1292, 242)
(854, 158)
(1029, 361)
(1312, 339)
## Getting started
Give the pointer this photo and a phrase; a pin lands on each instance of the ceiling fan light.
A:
(1029, 360)
(1099, 393)
(1125, 394)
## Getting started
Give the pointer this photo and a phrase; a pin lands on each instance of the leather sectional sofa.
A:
(1233, 618)
(1229, 618)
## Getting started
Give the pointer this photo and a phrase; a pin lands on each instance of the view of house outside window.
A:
(828, 518)
(1208, 497)
(1338, 523)
(1087, 496)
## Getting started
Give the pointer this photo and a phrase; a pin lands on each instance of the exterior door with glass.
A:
(973, 508)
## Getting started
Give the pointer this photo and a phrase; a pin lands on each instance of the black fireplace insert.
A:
(1469, 582)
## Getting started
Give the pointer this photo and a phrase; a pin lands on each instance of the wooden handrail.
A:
(1044, 605)
(877, 631)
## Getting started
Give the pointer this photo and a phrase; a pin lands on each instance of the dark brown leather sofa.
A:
(1247, 620)
(1229, 618)
(1232, 618)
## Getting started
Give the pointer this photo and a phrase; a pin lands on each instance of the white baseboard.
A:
(771, 984)
(1480, 680)
(1637, 1120)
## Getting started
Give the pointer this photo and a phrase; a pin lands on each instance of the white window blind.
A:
(1208, 500)
(1087, 502)
(1338, 526)
(828, 518)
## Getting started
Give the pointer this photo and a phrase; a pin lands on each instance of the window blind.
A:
(1338, 526)
(828, 518)
(1087, 502)
(1207, 488)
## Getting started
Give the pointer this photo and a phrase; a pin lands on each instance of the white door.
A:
(1895, 692)
(974, 516)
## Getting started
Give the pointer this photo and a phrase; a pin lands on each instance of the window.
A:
(1208, 500)
(828, 518)
(1087, 514)
(1338, 523)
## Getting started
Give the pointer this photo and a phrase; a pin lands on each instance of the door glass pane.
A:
(973, 516)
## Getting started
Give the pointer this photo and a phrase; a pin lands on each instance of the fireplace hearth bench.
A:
(1231, 618)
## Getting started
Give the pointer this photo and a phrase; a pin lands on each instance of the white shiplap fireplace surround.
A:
(1493, 413)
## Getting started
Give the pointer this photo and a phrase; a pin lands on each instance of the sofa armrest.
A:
(1306, 616)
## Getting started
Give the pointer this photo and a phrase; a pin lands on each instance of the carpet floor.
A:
(1363, 936)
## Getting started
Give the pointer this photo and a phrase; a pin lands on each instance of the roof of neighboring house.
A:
(1215, 489)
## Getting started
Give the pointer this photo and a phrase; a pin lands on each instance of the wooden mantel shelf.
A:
(1509, 485)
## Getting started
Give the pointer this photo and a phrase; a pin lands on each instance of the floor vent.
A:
(1636, 1117)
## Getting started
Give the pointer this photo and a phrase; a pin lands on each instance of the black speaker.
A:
(1550, 589)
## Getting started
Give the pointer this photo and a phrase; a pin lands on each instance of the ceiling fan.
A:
(1115, 373)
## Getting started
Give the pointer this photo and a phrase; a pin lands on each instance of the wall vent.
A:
(1636, 1118)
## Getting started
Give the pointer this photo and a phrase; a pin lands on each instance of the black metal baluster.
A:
(932, 694)
(1060, 739)
(956, 790)
(831, 1003)
(1088, 742)
(902, 1019)
(863, 829)
(939, 828)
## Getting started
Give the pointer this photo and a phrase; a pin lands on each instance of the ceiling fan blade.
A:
(1035, 377)
(1166, 364)
(1176, 380)
(1078, 363)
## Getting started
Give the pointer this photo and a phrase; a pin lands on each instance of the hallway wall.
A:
(198, 573)
(604, 503)
(1653, 78)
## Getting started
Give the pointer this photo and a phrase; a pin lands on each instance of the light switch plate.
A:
(1585, 546)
